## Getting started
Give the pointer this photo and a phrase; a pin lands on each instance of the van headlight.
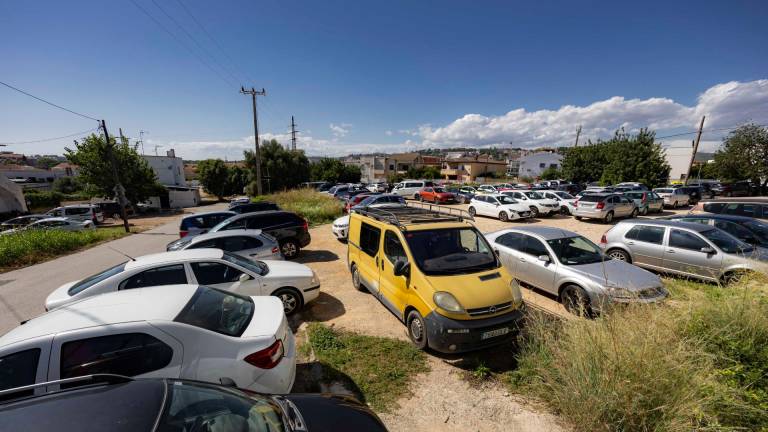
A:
(446, 301)
(517, 295)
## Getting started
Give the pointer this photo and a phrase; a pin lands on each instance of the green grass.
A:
(317, 208)
(34, 246)
(378, 369)
(700, 362)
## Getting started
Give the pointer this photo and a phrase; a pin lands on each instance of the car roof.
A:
(226, 233)
(174, 256)
(260, 213)
(140, 304)
(733, 218)
(693, 226)
(194, 215)
(546, 232)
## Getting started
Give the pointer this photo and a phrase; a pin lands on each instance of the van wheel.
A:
(356, 278)
(534, 212)
(291, 299)
(472, 211)
(290, 249)
(417, 329)
(575, 301)
(620, 255)
(608, 218)
(503, 217)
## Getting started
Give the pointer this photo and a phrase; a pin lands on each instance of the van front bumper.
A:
(448, 335)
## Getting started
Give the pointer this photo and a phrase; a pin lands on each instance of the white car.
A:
(340, 228)
(295, 284)
(79, 212)
(248, 243)
(409, 188)
(57, 223)
(176, 331)
(377, 187)
(498, 206)
(566, 200)
(537, 203)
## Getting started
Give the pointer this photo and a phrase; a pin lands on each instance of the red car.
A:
(354, 201)
(436, 195)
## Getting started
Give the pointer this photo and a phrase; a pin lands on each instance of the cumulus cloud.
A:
(340, 130)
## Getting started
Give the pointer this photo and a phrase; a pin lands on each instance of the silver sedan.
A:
(573, 268)
(248, 243)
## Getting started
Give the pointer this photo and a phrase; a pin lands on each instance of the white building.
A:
(11, 197)
(169, 169)
(533, 165)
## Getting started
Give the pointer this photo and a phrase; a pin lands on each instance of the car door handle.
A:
(670, 251)
(522, 259)
(630, 242)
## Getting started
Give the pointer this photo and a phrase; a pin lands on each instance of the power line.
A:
(49, 103)
(51, 139)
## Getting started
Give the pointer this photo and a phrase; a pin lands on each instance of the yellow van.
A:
(436, 272)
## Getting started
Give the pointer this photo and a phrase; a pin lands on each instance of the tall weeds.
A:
(316, 207)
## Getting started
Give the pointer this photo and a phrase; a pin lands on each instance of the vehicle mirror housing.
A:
(544, 258)
(401, 268)
(708, 250)
(244, 277)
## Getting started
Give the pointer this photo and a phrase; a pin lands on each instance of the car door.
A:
(683, 254)
(369, 260)
(135, 349)
(393, 289)
(646, 244)
(218, 274)
(627, 205)
(480, 205)
(532, 270)
(25, 363)
(244, 246)
(508, 247)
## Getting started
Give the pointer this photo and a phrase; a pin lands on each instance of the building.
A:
(678, 159)
(374, 169)
(12, 200)
(532, 165)
(169, 170)
(471, 169)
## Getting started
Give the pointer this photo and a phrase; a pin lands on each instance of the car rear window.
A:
(592, 198)
(77, 210)
(218, 311)
(98, 277)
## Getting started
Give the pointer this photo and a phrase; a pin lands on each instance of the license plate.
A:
(494, 333)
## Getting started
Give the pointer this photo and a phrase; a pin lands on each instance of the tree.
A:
(237, 180)
(334, 171)
(46, 163)
(67, 185)
(551, 174)
(280, 168)
(744, 155)
(91, 155)
(214, 177)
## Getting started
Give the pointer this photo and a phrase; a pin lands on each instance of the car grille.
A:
(489, 310)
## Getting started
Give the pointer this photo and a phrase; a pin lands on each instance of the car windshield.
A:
(98, 277)
(506, 199)
(576, 250)
(533, 195)
(180, 243)
(218, 311)
(726, 242)
(564, 195)
(760, 229)
(660, 190)
(258, 267)
(439, 190)
(450, 251)
(199, 407)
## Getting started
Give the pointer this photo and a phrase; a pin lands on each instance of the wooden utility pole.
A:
(578, 133)
(293, 134)
(253, 92)
(695, 149)
(119, 189)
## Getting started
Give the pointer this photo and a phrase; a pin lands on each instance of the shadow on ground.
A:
(317, 377)
(325, 308)
(310, 256)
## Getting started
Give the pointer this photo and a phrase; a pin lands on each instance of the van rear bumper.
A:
(448, 335)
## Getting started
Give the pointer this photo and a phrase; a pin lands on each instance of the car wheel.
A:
(472, 211)
(418, 197)
(575, 301)
(290, 249)
(733, 277)
(564, 211)
(619, 255)
(577, 217)
(417, 329)
(356, 279)
(608, 218)
(674, 206)
(291, 299)
(644, 211)
(634, 213)
(503, 216)
(534, 212)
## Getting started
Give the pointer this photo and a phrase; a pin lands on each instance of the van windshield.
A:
(450, 251)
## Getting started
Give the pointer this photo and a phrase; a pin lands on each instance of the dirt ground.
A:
(442, 399)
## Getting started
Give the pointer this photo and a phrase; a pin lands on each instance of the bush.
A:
(48, 200)
(317, 208)
(33, 246)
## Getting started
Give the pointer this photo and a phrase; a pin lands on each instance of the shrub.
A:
(317, 208)
(33, 246)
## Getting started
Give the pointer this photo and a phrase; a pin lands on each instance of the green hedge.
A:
(41, 200)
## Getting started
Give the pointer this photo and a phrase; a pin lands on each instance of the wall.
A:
(169, 169)
(11, 197)
(531, 165)
(678, 160)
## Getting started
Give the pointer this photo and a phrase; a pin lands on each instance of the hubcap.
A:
(609, 217)
(289, 249)
(617, 255)
(417, 329)
(289, 302)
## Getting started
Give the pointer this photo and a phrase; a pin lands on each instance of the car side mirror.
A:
(227, 382)
(708, 250)
(244, 277)
(544, 258)
(401, 268)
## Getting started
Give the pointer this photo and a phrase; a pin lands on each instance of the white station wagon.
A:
(186, 331)
(295, 284)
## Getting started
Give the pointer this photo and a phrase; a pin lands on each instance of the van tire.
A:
(417, 329)
(417, 197)
(356, 279)
(503, 216)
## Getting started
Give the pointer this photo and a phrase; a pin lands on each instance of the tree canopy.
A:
(744, 155)
(334, 171)
(214, 176)
(280, 168)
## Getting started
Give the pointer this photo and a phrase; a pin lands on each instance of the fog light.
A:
(453, 331)
(451, 347)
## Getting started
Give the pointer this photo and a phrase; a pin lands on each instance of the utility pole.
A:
(141, 139)
(119, 189)
(695, 149)
(293, 134)
(578, 133)
(253, 92)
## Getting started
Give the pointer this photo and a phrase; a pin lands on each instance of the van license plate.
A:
(494, 333)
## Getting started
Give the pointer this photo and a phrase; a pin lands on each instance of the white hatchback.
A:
(498, 206)
(191, 332)
(295, 284)
(536, 202)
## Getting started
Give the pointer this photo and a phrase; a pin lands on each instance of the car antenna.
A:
(122, 253)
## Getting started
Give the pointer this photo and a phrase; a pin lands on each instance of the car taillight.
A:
(603, 240)
(183, 233)
(306, 225)
(268, 357)
(275, 249)
(600, 205)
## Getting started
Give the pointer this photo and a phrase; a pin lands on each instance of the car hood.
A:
(335, 413)
(344, 220)
(286, 269)
(618, 274)
(60, 296)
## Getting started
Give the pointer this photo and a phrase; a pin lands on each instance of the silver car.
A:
(605, 206)
(252, 244)
(684, 248)
(673, 197)
(646, 201)
(573, 268)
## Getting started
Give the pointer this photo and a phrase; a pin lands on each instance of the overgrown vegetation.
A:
(317, 208)
(334, 171)
(699, 362)
(43, 201)
(378, 369)
(280, 168)
(34, 246)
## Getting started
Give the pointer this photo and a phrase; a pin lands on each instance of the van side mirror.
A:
(401, 268)
(707, 250)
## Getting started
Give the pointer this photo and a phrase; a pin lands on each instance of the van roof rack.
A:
(415, 213)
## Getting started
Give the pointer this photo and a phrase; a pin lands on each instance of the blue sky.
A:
(368, 76)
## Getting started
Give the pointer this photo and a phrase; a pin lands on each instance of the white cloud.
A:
(388, 133)
(340, 130)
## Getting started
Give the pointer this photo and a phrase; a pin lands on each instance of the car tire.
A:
(290, 249)
(418, 197)
(576, 301)
(472, 211)
(564, 211)
(356, 278)
(732, 277)
(503, 217)
(634, 213)
(292, 300)
(644, 211)
(619, 255)
(608, 218)
(417, 329)
(577, 217)
(674, 206)
(534, 212)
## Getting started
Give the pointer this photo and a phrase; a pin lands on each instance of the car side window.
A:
(238, 224)
(234, 244)
(128, 354)
(19, 369)
(686, 240)
(736, 230)
(212, 273)
(369, 239)
(511, 240)
(211, 221)
(166, 275)
(393, 248)
(647, 234)
(533, 246)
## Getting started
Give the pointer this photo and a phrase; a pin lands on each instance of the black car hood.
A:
(328, 412)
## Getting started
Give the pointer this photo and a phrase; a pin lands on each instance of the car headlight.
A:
(517, 295)
(315, 279)
(446, 301)
(620, 293)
